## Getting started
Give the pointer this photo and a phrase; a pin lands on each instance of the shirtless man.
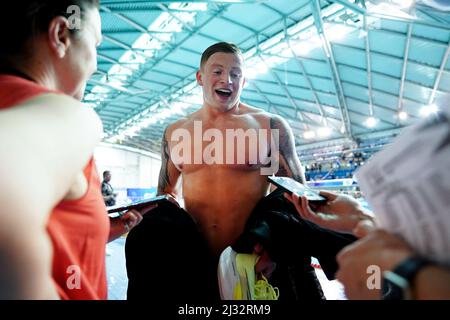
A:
(221, 184)
(220, 197)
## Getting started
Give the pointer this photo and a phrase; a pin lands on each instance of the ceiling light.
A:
(309, 134)
(324, 132)
(428, 110)
(371, 122)
(189, 6)
(251, 73)
(337, 31)
(98, 89)
(389, 8)
(255, 70)
(403, 115)
(403, 3)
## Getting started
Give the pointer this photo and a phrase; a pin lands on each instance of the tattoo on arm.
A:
(289, 163)
(164, 180)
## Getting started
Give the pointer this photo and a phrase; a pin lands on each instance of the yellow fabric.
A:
(265, 291)
(248, 287)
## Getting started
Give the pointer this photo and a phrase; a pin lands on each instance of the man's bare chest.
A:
(242, 144)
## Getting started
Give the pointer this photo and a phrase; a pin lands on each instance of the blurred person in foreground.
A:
(54, 223)
(407, 275)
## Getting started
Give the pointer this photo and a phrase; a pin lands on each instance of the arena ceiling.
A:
(339, 71)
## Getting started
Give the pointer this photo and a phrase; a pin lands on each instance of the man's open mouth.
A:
(224, 92)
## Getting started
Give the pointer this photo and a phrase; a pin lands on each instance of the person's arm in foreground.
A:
(44, 149)
(386, 251)
(376, 248)
(126, 222)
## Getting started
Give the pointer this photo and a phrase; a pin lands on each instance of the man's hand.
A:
(377, 249)
(340, 213)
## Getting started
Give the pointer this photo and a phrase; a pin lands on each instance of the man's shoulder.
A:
(278, 122)
(248, 110)
(182, 122)
(262, 114)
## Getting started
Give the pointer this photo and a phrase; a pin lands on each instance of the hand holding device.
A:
(291, 186)
(340, 213)
(139, 205)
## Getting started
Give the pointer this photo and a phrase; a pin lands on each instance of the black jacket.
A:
(291, 242)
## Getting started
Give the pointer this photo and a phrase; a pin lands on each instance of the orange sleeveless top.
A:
(79, 229)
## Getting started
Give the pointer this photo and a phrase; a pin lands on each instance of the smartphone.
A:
(290, 186)
(138, 204)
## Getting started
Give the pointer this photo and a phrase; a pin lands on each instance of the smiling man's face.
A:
(222, 80)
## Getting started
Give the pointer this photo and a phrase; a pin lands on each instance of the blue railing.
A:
(331, 174)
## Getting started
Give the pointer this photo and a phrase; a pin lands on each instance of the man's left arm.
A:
(324, 244)
(289, 163)
(289, 166)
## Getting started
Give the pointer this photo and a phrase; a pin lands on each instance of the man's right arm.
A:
(169, 174)
(45, 144)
